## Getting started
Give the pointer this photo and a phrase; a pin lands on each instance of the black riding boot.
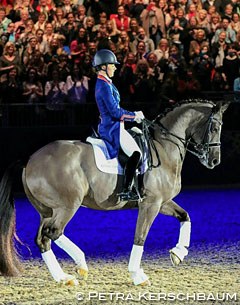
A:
(130, 169)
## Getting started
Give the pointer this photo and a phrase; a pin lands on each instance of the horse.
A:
(62, 176)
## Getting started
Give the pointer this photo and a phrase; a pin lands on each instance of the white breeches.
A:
(127, 143)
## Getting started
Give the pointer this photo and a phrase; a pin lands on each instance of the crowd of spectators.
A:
(167, 49)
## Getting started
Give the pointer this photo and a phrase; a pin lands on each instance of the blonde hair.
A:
(7, 46)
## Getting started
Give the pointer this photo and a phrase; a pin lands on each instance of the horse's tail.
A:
(9, 261)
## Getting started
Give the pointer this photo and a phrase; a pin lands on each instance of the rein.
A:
(201, 149)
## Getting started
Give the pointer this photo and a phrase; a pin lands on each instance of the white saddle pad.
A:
(102, 158)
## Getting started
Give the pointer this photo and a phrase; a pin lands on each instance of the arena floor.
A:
(209, 275)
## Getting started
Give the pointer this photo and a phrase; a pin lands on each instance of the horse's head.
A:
(206, 136)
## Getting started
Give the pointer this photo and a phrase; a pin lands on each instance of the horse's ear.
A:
(221, 106)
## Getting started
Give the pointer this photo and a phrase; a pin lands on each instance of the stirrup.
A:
(128, 196)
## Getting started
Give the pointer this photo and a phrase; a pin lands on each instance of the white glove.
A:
(139, 116)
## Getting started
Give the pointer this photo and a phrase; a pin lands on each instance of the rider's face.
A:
(111, 68)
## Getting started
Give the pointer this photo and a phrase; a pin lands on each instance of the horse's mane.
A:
(184, 102)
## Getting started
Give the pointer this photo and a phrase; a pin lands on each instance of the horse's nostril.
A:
(215, 161)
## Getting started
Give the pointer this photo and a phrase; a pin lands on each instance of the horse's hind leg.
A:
(178, 253)
(52, 229)
(44, 244)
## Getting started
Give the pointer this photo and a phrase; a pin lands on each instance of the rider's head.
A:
(105, 60)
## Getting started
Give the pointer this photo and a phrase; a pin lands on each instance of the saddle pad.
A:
(102, 158)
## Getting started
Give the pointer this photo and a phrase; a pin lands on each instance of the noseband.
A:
(201, 150)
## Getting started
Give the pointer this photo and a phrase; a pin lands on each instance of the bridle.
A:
(200, 149)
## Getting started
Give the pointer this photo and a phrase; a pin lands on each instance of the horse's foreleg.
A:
(178, 253)
(146, 216)
(75, 252)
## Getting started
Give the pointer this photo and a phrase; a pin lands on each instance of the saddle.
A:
(116, 165)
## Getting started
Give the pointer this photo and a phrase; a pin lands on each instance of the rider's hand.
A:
(139, 116)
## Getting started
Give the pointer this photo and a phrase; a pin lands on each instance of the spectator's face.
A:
(225, 23)
(10, 49)
(49, 28)
(123, 36)
(141, 33)
(43, 2)
(163, 45)
(81, 32)
(235, 17)
(120, 10)
(42, 18)
(33, 42)
(39, 35)
(11, 27)
(222, 36)
(2, 14)
(103, 18)
(228, 9)
(81, 9)
(90, 22)
(131, 58)
(13, 73)
(59, 12)
(141, 47)
(180, 13)
(70, 18)
(192, 8)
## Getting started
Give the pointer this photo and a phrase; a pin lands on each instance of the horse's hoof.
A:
(82, 273)
(72, 282)
(145, 283)
(69, 280)
(174, 258)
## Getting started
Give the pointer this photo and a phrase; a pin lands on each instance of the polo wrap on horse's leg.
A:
(72, 250)
(137, 273)
(53, 265)
(183, 241)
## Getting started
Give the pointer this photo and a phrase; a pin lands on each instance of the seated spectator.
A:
(198, 4)
(122, 22)
(133, 29)
(188, 86)
(55, 91)
(202, 19)
(58, 20)
(42, 45)
(102, 21)
(170, 14)
(21, 24)
(141, 51)
(153, 22)
(11, 89)
(112, 32)
(203, 65)
(46, 7)
(123, 44)
(176, 63)
(196, 43)
(32, 88)
(10, 59)
(77, 86)
(88, 25)
(36, 61)
(4, 21)
(177, 26)
(78, 46)
(214, 24)
(81, 15)
(149, 44)
(191, 11)
(48, 33)
(127, 77)
(218, 82)
(219, 49)
(135, 9)
(235, 23)
(144, 84)
(231, 65)
(64, 66)
(41, 23)
(70, 29)
(228, 10)
(230, 33)
(31, 48)
(67, 7)
(162, 50)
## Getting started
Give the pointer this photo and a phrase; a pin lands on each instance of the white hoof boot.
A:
(177, 254)
(69, 280)
(140, 278)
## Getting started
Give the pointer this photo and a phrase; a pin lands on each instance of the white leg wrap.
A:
(53, 265)
(72, 250)
(184, 240)
(185, 233)
(136, 272)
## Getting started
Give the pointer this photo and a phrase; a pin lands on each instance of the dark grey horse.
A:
(62, 176)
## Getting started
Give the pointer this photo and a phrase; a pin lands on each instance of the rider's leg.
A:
(131, 149)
